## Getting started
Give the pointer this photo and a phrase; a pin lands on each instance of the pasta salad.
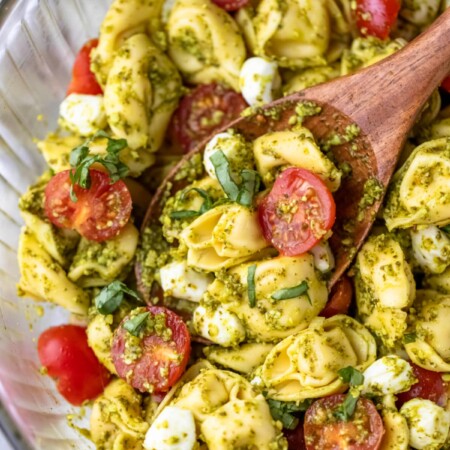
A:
(207, 322)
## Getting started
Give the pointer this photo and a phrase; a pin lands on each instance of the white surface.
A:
(38, 43)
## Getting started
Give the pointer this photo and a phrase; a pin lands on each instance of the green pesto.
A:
(373, 191)
(304, 110)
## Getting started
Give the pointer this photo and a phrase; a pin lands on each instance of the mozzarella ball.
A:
(323, 257)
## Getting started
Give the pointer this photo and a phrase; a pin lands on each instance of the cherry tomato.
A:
(83, 80)
(446, 84)
(231, 5)
(340, 298)
(207, 108)
(154, 361)
(64, 352)
(376, 17)
(326, 432)
(99, 213)
(429, 386)
(297, 213)
(295, 438)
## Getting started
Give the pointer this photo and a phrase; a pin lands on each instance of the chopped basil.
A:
(446, 229)
(243, 193)
(186, 214)
(135, 325)
(286, 412)
(111, 297)
(408, 338)
(81, 160)
(251, 285)
(351, 375)
(347, 408)
(293, 292)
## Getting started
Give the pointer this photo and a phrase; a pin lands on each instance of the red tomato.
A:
(159, 358)
(297, 213)
(446, 84)
(207, 108)
(83, 80)
(231, 5)
(100, 212)
(295, 438)
(340, 298)
(65, 353)
(326, 432)
(376, 17)
(429, 386)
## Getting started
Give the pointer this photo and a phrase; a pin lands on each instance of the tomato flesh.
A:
(446, 84)
(340, 298)
(231, 5)
(297, 213)
(326, 432)
(430, 386)
(99, 213)
(376, 17)
(206, 109)
(158, 361)
(83, 80)
(295, 438)
(64, 352)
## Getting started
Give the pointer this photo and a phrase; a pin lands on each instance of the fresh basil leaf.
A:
(249, 187)
(293, 292)
(446, 229)
(223, 174)
(135, 325)
(184, 214)
(408, 338)
(251, 285)
(78, 154)
(111, 297)
(286, 412)
(351, 376)
(347, 409)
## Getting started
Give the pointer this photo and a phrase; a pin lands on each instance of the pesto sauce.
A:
(373, 191)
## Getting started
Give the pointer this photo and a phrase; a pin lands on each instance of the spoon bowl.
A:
(366, 116)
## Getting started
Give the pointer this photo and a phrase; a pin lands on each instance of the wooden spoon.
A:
(383, 100)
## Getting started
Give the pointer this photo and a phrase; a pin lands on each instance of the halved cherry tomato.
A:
(231, 5)
(376, 17)
(155, 361)
(326, 432)
(446, 84)
(295, 438)
(297, 213)
(340, 298)
(100, 212)
(206, 109)
(64, 352)
(429, 386)
(83, 80)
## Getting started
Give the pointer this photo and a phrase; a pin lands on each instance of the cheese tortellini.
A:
(229, 412)
(306, 365)
(205, 43)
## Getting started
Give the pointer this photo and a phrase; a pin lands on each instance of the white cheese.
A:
(83, 114)
(388, 375)
(428, 423)
(179, 281)
(219, 326)
(173, 429)
(323, 257)
(258, 80)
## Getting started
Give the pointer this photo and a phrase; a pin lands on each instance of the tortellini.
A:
(420, 12)
(229, 412)
(396, 431)
(43, 279)
(117, 421)
(430, 348)
(124, 19)
(385, 287)
(309, 77)
(281, 149)
(205, 43)
(56, 150)
(270, 320)
(141, 93)
(223, 237)
(306, 365)
(416, 195)
(295, 33)
(100, 333)
(100, 263)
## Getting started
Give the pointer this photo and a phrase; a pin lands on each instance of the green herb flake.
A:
(408, 338)
(189, 213)
(347, 408)
(251, 285)
(286, 412)
(135, 325)
(292, 292)
(111, 297)
(446, 229)
(351, 376)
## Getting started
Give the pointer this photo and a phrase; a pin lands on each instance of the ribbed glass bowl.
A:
(38, 43)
